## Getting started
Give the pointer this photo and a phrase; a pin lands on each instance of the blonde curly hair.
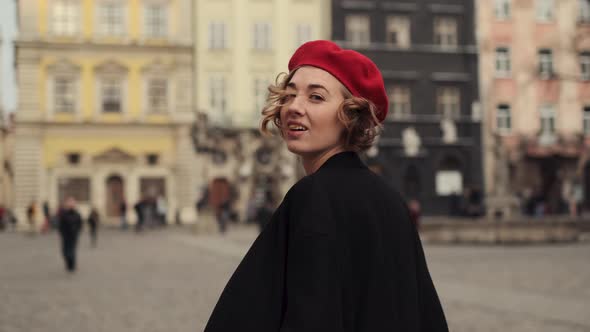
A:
(358, 115)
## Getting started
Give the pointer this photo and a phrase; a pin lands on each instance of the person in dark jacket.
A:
(93, 222)
(70, 225)
(340, 253)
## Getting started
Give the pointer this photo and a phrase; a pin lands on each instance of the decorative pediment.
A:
(115, 155)
(63, 66)
(111, 68)
(158, 67)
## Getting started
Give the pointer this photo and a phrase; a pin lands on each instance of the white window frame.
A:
(448, 102)
(165, 105)
(218, 39)
(446, 31)
(218, 95)
(262, 36)
(503, 118)
(104, 81)
(502, 9)
(583, 11)
(503, 63)
(73, 81)
(586, 119)
(585, 66)
(303, 34)
(358, 30)
(400, 25)
(156, 26)
(546, 63)
(548, 118)
(65, 17)
(545, 10)
(115, 14)
(401, 101)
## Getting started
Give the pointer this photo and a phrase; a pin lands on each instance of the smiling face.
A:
(309, 118)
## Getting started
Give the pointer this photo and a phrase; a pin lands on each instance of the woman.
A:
(340, 253)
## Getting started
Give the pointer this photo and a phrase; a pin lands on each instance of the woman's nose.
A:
(296, 105)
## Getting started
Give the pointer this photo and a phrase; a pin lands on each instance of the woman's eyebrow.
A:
(309, 87)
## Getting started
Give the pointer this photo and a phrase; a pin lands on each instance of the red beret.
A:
(355, 71)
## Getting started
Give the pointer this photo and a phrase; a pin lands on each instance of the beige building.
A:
(240, 47)
(105, 105)
(535, 88)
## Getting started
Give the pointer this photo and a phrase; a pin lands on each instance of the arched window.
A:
(449, 177)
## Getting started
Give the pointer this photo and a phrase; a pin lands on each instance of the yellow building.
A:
(240, 47)
(105, 104)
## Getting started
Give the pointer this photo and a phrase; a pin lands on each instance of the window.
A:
(76, 187)
(111, 18)
(156, 21)
(449, 178)
(157, 95)
(400, 97)
(262, 36)
(64, 94)
(358, 30)
(217, 92)
(585, 65)
(111, 95)
(502, 61)
(73, 158)
(546, 63)
(502, 9)
(503, 118)
(217, 35)
(587, 120)
(260, 94)
(302, 34)
(65, 17)
(545, 10)
(398, 31)
(448, 102)
(547, 120)
(584, 11)
(152, 159)
(445, 31)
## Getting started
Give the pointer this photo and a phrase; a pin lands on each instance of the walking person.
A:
(123, 213)
(70, 225)
(31, 215)
(340, 254)
(93, 223)
(139, 208)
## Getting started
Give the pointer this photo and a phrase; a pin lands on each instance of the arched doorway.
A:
(114, 195)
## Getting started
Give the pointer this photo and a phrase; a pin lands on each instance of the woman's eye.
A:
(315, 97)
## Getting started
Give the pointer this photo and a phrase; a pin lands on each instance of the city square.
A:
(169, 280)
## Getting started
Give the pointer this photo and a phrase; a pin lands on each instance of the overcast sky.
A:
(8, 28)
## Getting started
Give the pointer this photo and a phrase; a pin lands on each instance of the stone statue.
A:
(411, 142)
(449, 131)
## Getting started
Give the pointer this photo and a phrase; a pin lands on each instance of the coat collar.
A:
(346, 159)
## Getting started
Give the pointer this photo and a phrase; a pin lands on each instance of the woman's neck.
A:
(311, 163)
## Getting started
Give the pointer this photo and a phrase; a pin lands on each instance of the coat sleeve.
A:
(311, 299)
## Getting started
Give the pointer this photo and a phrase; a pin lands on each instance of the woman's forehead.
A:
(308, 75)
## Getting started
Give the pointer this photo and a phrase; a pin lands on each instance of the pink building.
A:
(535, 90)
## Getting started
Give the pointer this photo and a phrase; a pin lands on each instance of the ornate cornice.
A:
(109, 47)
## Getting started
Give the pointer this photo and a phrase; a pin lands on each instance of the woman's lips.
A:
(294, 134)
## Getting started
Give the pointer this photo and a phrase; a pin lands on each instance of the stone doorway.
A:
(114, 195)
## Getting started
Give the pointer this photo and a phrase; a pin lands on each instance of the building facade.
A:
(240, 48)
(105, 105)
(535, 79)
(430, 148)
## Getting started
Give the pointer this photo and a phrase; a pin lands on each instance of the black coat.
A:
(70, 223)
(340, 254)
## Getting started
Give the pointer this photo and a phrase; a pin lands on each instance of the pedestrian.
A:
(70, 225)
(161, 210)
(123, 213)
(2, 217)
(340, 253)
(93, 222)
(46, 218)
(31, 215)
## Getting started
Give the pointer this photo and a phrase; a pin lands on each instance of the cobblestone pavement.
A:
(169, 280)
